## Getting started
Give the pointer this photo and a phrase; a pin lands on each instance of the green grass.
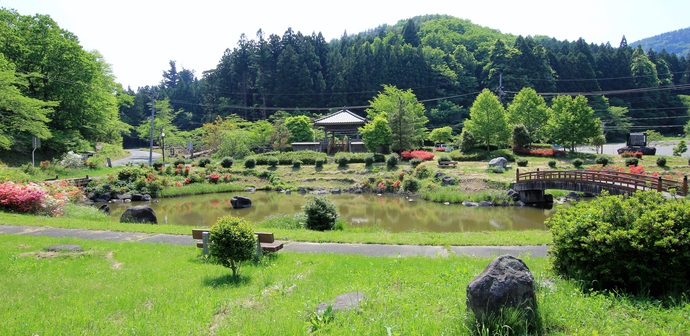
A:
(148, 289)
(200, 188)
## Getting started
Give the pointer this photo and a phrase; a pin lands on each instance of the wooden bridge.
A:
(596, 181)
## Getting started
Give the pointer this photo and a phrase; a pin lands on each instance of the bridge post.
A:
(685, 185)
(517, 175)
(658, 186)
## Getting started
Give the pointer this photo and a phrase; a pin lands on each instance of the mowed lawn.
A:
(155, 289)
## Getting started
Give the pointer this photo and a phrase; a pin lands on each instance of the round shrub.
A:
(296, 163)
(226, 162)
(392, 161)
(552, 163)
(250, 163)
(272, 162)
(321, 214)
(369, 160)
(203, 162)
(632, 162)
(232, 242)
(178, 162)
(422, 172)
(318, 163)
(522, 162)
(411, 184)
(661, 161)
(156, 165)
(443, 158)
(342, 161)
(415, 162)
(602, 160)
(577, 163)
(636, 243)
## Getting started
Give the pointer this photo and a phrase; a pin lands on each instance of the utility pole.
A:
(153, 116)
(500, 88)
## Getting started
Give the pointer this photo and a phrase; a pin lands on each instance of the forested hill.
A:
(677, 42)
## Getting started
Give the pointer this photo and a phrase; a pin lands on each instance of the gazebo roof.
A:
(341, 118)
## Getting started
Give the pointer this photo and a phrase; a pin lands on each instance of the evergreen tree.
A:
(405, 117)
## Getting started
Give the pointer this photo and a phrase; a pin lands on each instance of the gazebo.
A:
(344, 123)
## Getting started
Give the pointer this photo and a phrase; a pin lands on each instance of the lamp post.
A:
(163, 144)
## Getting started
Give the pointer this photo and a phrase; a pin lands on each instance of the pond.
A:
(393, 213)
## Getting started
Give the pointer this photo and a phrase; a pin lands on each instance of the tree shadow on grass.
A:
(227, 280)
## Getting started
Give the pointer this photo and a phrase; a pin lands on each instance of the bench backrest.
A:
(264, 237)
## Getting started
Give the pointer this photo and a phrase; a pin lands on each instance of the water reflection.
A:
(395, 214)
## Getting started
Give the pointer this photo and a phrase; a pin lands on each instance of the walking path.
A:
(336, 248)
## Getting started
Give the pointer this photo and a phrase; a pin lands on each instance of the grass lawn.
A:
(151, 289)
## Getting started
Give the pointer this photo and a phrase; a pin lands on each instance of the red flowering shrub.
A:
(36, 199)
(631, 154)
(546, 152)
(213, 178)
(418, 154)
(637, 170)
(226, 178)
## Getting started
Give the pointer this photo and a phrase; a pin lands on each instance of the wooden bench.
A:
(265, 240)
(447, 163)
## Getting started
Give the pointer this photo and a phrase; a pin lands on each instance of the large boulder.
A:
(499, 162)
(139, 214)
(505, 283)
(240, 202)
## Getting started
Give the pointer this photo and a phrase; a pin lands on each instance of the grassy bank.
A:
(147, 289)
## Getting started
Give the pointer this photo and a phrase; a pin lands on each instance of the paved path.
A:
(362, 249)
(136, 156)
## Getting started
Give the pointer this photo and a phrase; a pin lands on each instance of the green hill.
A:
(677, 42)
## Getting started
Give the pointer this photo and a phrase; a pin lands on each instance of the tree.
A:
(441, 135)
(520, 136)
(680, 148)
(405, 116)
(232, 242)
(529, 109)
(598, 142)
(488, 122)
(20, 115)
(280, 136)
(653, 137)
(163, 122)
(300, 128)
(571, 122)
(377, 134)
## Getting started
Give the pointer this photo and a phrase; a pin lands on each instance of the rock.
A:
(505, 283)
(438, 175)
(240, 202)
(139, 214)
(447, 180)
(358, 191)
(500, 162)
(514, 195)
(288, 192)
(302, 191)
(335, 191)
(573, 196)
(123, 197)
(104, 208)
(140, 198)
(486, 204)
(65, 248)
(342, 302)
(519, 203)
(250, 189)
(470, 204)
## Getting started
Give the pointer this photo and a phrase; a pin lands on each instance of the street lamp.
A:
(163, 144)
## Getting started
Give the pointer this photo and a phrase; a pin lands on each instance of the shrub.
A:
(213, 178)
(422, 172)
(418, 154)
(227, 162)
(415, 162)
(369, 160)
(157, 165)
(661, 161)
(578, 163)
(522, 162)
(250, 163)
(443, 158)
(392, 161)
(321, 214)
(378, 157)
(232, 242)
(520, 136)
(617, 242)
(631, 161)
(319, 163)
(273, 162)
(203, 162)
(296, 163)
(679, 149)
(342, 161)
(178, 162)
(602, 160)
(411, 184)
(552, 163)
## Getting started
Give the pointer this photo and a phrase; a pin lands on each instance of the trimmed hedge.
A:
(307, 157)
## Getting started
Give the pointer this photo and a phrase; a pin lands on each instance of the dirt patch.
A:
(116, 265)
(218, 318)
(49, 255)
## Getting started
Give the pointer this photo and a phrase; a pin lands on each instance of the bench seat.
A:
(266, 240)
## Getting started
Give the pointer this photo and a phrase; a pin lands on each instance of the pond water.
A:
(393, 213)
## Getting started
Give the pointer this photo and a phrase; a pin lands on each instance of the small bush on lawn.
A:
(443, 158)
(411, 184)
(602, 160)
(318, 163)
(342, 161)
(227, 162)
(631, 162)
(636, 243)
(522, 162)
(577, 163)
(232, 242)
(250, 163)
(392, 161)
(296, 164)
(178, 162)
(552, 163)
(661, 161)
(369, 160)
(273, 162)
(321, 214)
(415, 162)
(203, 162)
(422, 172)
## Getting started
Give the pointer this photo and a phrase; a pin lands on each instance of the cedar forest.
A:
(50, 87)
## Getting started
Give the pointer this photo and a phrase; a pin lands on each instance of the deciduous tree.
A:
(405, 116)
(488, 121)
(571, 122)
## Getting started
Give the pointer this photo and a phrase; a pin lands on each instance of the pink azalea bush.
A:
(36, 199)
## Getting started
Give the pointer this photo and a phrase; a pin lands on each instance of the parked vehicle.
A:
(637, 142)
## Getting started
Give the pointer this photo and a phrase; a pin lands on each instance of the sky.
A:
(139, 38)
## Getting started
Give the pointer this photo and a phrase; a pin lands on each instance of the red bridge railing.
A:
(618, 180)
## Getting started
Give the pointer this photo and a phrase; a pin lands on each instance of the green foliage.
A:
(422, 172)
(300, 129)
(405, 115)
(411, 184)
(308, 157)
(520, 136)
(602, 160)
(249, 163)
(661, 161)
(467, 141)
(203, 162)
(415, 162)
(632, 162)
(571, 122)
(369, 160)
(443, 158)
(441, 135)
(178, 162)
(522, 162)
(680, 148)
(321, 214)
(227, 162)
(636, 243)
(552, 163)
(377, 134)
(296, 164)
(319, 163)
(392, 161)
(273, 162)
(528, 109)
(342, 161)
(232, 242)
(577, 163)
(488, 122)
